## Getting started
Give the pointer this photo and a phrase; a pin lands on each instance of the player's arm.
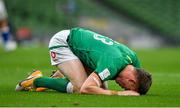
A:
(89, 71)
(93, 85)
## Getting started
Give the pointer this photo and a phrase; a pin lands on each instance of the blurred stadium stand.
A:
(38, 13)
(160, 18)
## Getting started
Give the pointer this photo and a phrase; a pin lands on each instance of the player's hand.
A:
(128, 93)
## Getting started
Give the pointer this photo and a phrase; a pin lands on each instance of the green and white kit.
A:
(59, 48)
(99, 53)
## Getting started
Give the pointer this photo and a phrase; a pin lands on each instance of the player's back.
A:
(90, 47)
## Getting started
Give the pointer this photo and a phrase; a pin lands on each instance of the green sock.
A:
(59, 84)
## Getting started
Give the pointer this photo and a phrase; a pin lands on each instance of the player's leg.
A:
(58, 84)
(75, 72)
(52, 83)
(55, 74)
(75, 77)
(70, 66)
(41, 82)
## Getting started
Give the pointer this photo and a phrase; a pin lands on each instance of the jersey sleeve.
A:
(107, 68)
(137, 62)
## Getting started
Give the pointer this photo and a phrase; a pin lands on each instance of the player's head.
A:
(135, 79)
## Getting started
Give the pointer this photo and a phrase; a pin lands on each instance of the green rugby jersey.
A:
(101, 54)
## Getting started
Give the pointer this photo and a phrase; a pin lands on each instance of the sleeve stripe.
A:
(129, 59)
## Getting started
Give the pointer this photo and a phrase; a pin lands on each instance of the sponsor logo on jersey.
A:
(104, 74)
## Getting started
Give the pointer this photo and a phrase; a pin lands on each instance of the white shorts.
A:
(3, 12)
(59, 49)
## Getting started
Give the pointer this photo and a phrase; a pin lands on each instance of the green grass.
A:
(164, 65)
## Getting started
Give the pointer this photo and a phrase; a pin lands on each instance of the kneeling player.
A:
(108, 59)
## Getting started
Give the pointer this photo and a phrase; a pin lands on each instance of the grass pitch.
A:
(164, 65)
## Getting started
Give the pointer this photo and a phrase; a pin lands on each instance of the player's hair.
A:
(144, 81)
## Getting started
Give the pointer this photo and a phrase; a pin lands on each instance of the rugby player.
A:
(9, 44)
(72, 50)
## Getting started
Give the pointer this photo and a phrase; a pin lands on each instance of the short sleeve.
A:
(137, 63)
(108, 67)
